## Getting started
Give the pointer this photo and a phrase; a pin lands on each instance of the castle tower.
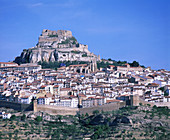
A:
(79, 101)
(35, 105)
(134, 99)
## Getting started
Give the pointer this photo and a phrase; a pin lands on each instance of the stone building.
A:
(127, 68)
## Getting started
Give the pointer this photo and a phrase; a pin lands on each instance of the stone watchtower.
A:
(64, 33)
(79, 101)
(35, 105)
(134, 100)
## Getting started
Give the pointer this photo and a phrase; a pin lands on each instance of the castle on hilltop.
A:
(58, 45)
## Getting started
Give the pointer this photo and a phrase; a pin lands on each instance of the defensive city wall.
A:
(16, 106)
(105, 107)
(135, 100)
(57, 110)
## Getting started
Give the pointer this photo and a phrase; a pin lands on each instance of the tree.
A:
(38, 119)
(86, 114)
(95, 112)
(60, 118)
(145, 117)
(140, 104)
(0, 135)
(154, 107)
(162, 89)
(166, 93)
(134, 64)
(13, 117)
(10, 135)
(152, 115)
(23, 117)
(95, 135)
(82, 116)
(148, 105)
(16, 131)
(160, 115)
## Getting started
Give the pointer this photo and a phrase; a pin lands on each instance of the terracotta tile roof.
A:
(110, 101)
(79, 65)
(82, 95)
(111, 66)
(43, 86)
(7, 63)
(152, 85)
(65, 89)
(56, 86)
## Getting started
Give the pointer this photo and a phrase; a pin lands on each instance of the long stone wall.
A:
(57, 110)
(105, 107)
(163, 104)
(16, 106)
(135, 100)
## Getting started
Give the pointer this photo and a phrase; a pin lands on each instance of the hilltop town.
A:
(80, 85)
(60, 90)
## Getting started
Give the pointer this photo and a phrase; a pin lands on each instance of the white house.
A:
(26, 99)
(111, 79)
(64, 102)
(6, 116)
(160, 82)
(101, 73)
(167, 89)
(138, 91)
(87, 103)
(74, 101)
(166, 99)
(49, 89)
(44, 100)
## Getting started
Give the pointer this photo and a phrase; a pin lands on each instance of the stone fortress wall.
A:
(81, 48)
(16, 106)
(57, 110)
(136, 100)
(105, 107)
(59, 34)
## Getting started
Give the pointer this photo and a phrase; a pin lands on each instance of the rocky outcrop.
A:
(102, 119)
(121, 119)
(56, 46)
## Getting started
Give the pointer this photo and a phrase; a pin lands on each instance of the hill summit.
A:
(58, 45)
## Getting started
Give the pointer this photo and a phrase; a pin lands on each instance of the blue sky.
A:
(118, 29)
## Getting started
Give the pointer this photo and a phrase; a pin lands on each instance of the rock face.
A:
(56, 46)
(98, 120)
(102, 119)
(121, 119)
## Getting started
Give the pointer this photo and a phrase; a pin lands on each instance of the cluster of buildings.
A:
(75, 86)
(4, 115)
